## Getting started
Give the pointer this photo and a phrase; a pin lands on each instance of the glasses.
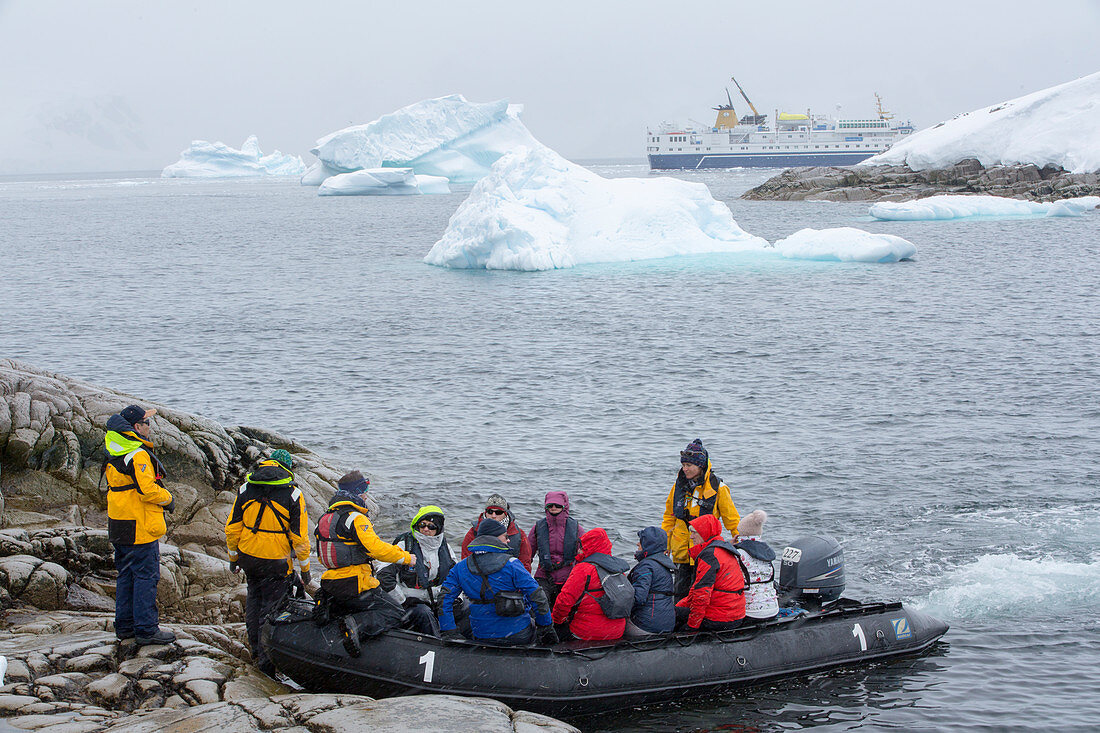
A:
(426, 525)
(554, 506)
(497, 512)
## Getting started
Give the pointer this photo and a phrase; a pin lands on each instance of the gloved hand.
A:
(170, 506)
(546, 635)
(452, 635)
(413, 563)
(234, 567)
(306, 577)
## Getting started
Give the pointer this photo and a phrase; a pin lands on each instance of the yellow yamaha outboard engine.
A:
(812, 572)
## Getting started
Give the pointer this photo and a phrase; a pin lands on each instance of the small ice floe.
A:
(845, 244)
(954, 206)
(382, 182)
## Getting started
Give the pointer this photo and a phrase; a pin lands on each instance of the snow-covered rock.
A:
(989, 207)
(382, 182)
(538, 211)
(217, 160)
(845, 244)
(1058, 126)
(447, 137)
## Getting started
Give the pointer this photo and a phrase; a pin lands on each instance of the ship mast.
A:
(882, 113)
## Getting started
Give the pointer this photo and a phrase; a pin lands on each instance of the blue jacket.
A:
(654, 605)
(504, 573)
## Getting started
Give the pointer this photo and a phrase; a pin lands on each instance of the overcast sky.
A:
(127, 85)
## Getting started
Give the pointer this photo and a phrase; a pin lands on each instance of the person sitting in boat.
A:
(420, 585)
(654, 607)
(496, 508)
(502, 594)
(556, 539)
(346, 546)
(760, 600)
(578, 606)
(717, 598)
(697, 492)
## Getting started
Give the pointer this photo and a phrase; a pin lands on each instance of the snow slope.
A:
(1059, 125)
(986, 207)
(217, 160)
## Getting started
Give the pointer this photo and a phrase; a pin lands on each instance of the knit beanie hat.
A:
(353, 482)
(134, 414)
(498, 501)
(695, 454)
(752, 524)
(491, 527)
(284, 458)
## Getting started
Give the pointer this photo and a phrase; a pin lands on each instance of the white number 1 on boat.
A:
(428, 660)
(857, 631)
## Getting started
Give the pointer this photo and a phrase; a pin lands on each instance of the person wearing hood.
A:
(265, 530)
(654, 607)
(556, 539)
(497, 509)
(717, 598)
(503, 594)
(697, 491)
(577, 604)
(136, 503)
(347, 546)
(426, 540)
(760, 600)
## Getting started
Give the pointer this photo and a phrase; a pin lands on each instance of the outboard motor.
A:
(812, 572)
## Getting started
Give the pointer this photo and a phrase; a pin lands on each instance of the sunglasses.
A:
(426, 525)
(554, 506)
(498, 512)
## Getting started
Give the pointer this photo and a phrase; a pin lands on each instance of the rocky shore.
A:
(66, 672)
(901, 183)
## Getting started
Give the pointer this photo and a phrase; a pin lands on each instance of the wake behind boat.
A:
(793, 140)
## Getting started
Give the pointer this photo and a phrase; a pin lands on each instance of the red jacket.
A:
(589, 622)
(718, 592)
(521, 548)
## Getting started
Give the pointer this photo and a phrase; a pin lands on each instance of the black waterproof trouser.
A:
(683, 575)
(264, 592)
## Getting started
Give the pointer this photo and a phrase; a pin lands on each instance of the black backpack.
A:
(617, 600)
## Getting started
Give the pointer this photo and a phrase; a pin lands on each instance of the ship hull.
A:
(700, 161)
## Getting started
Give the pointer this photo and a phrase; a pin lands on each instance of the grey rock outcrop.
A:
(900, 183)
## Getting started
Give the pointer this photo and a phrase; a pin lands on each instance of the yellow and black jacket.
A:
(268, 526)
(345, 534)
(136, 496)
(687, 502)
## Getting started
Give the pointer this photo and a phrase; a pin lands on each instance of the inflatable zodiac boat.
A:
(573, 678)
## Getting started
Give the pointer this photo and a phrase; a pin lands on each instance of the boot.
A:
(349, 629)
(161, 637)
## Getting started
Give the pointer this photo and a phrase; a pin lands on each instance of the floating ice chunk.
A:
(967, 207)
(382, 182)
(217, 160)
(538, 211)
(447, 137)
(1059, 125)
(845, 244)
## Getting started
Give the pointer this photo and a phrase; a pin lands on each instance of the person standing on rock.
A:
(136, 502)
(264, 532)
(697, 492)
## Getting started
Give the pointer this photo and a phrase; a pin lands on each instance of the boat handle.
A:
(583, 681)
(741, 661)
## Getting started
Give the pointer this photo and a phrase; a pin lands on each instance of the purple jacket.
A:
(556, 526)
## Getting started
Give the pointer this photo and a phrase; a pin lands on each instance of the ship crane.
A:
(756, 118)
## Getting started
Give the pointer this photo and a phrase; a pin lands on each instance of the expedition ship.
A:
(794, 140)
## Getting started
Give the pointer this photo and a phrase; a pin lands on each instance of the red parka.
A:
(589, 623)
(718, 592)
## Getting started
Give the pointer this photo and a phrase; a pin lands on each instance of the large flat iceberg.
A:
(538, 211)
(1059, 126)
(382, 182)
(845, 244)
(447, 137)
(986, 207)
(217, 160)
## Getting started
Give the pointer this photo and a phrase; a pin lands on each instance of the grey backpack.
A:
(617, 600)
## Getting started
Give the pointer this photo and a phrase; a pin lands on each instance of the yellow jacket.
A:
(338, 581)
(135, 497)
(712, 492)
(268, 525)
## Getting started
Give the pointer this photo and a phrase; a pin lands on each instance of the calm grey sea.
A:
(939, 417)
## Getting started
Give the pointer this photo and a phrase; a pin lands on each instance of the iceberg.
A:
(1056, 126)
(382, 182)
(988, 207)
(217, 160)
(538, 211)
(845, 244)
(448, 137)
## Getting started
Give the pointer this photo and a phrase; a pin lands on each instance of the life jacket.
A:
(118, 453)
(684, 491)
(337, 543)
(569, 548)
(271, 486)
(418, 578)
